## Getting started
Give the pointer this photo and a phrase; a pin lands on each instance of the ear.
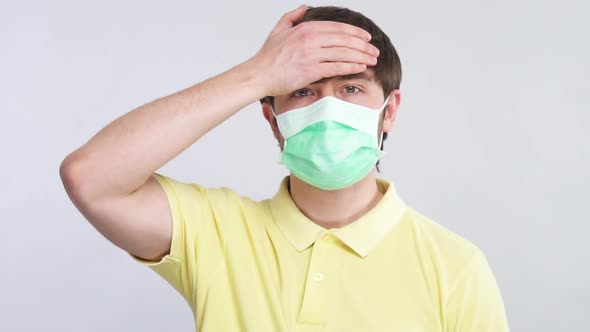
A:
(393, 105)
(270, 118)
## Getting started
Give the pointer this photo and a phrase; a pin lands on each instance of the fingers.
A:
(289, 18)
(344, 54)
(333, 39)
(336, 27)
(331, 69)
(324, 34)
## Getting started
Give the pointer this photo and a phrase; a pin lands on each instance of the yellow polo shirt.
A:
(245, 265)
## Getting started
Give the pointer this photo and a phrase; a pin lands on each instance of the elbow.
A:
(71, 173)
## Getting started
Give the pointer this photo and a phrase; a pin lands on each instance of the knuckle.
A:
(359, 56)
(341, 40)
(302, 27)
(359, 44)
(338, 68)
(307, 37)
(347, 54)
(353, 68)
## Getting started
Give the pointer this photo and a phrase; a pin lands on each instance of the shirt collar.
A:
(361, 235)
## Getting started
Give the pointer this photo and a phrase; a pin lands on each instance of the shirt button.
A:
(319, 276)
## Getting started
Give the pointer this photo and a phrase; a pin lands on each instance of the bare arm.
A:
(109, 178)
(106, 177)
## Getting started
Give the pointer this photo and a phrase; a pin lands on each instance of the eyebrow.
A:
(362, 76)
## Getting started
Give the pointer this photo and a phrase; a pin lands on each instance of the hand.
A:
(294, 56)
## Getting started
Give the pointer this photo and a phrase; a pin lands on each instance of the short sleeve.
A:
(191, 213)
(475, 302)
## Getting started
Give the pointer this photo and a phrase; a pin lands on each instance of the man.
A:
(335, 249)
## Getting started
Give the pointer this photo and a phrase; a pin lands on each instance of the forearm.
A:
(124, 154)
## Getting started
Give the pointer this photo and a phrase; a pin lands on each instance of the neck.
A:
(335, 208)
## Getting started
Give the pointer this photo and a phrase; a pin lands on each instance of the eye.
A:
(351, 89)
(302, 93)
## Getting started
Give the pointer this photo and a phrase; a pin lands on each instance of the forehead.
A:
(367, 75)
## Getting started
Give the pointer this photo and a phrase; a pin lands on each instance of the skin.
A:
(109, 178)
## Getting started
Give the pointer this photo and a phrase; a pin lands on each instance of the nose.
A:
(325, 90)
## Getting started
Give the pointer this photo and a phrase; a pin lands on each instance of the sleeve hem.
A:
(176, 215)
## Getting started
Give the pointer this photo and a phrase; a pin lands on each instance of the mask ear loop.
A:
(279, 160)
(380, 146)
(272, 109)
(381, 142)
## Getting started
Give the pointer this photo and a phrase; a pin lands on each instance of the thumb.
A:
(287, 20)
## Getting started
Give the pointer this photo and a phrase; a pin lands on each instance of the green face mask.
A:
(330, 144)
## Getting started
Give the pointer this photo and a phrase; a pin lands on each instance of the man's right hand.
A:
(295, 56)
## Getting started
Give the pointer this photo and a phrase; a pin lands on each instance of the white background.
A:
(491, 141)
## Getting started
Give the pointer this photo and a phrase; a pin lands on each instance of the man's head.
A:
(377, 82)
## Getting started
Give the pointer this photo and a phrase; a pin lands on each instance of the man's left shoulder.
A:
(439, 241)
(460, 271)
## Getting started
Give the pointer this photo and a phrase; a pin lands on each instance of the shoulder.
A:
(196, 202)
(450, 262)
(190, 191)
(448, 250)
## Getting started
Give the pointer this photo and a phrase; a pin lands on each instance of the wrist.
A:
(251, 75)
